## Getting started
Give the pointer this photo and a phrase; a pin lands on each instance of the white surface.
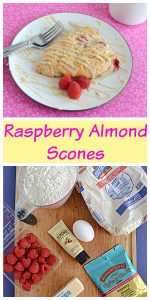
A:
(45, 90)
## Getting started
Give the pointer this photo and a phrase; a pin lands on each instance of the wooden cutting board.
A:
(72, 210)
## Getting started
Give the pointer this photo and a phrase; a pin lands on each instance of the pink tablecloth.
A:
(130, 103)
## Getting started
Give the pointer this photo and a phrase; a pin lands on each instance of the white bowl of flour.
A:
(46, 186)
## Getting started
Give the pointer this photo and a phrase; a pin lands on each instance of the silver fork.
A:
(40, 41)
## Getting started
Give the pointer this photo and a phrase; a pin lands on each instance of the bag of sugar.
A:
(115, 196)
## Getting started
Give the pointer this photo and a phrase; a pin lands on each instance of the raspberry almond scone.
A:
(81, 52)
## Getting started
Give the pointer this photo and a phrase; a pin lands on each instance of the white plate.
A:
(45, 90)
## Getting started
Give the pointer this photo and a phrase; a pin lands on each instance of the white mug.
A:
(128, 13)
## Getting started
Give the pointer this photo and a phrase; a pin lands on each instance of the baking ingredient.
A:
(34, 267)
(19, 267)
(36, 277)
(83, 231)
(26, 275)
(24, 243)
(11, 259)
(72, 289)
(44, 268)
(116, 196)
(31, 238)
(33, 254)
(19, 251)
(45, 252)
(74, 90)
(26, 286)
(83, 81)
(17, 275)
(51, 260)
(64, 82)
(115, 276)
(74, 85)
(47, 185)
(26, 262)
(29, 269)
(68, 241)
(8, 268)
(116, 64)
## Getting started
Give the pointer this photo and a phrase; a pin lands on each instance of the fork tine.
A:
(50, 36)
(53, 29)
(50, 28)
(55, 35)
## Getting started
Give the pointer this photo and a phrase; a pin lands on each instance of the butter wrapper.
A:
(72, 289)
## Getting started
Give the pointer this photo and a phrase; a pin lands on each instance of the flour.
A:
(48, 185)
(116, 196)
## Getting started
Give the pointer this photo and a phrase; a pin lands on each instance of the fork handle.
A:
(15, 48)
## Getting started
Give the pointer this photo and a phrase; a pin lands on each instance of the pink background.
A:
(130, 103)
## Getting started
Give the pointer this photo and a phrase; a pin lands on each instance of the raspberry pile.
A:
(29, 261)
(74, 86)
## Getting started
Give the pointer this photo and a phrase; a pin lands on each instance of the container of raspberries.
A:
(27, 261)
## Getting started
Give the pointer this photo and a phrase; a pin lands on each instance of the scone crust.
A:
(81, 52)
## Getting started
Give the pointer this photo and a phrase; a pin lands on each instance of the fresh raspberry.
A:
(12, 259)
(30, 281)
(18, 243)
(19, 266)
(19, 251)
(45, 252)
(44, 268)
(35, 245)
(74, 90)
(26, 275)
(31, 238)
(41, 260)
(22, 280)
(26, 262)
(64, 82)
(5, 259)
(24, 243)
(26, 286)
(17, 275)
(34, 268)
(26, 252)
(116, 64)
(12, 251)
(39, 250)
(7, 268)
(33, 254)
(36, 277)
(51, 260)
(83, 81)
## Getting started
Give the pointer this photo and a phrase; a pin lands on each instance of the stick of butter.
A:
(72, 289)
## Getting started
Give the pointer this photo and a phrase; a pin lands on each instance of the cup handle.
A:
(23, 211)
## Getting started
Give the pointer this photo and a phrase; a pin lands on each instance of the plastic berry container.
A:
(11, 239)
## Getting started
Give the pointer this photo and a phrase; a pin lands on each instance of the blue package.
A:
(115, 276)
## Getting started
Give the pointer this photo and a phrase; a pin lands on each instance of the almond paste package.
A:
(115, 276)
(115, 196)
